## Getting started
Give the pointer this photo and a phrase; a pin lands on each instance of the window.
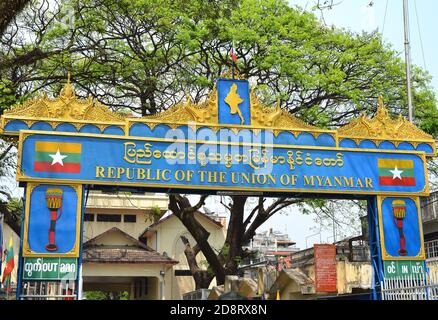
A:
(88, 217)
(109, 217)
(130, 218)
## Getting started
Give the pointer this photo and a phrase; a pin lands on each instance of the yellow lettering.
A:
(212, 176)
(294, 179)
(309, 181)
(141, 174)
(272, 179)
(338, 181)
(189, 175)
(180, 175)
(120, 171)
(100, 172)
(349, 182)
(165, 175)
(234, 178)
(369, 183)
(111, 172)
(245, 177)
(130, 173)
(202, 175)
(284, 179)
(319, 180)
(328, 182)
(359, 183)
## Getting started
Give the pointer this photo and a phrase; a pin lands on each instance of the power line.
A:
(419, 34)
(384, 17)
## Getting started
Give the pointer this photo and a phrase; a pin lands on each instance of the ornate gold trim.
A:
(64, 108)
(383, 128)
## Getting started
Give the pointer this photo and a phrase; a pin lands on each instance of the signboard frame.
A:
(74, 252)
(26, 133)
(385, 255)
(60, 260)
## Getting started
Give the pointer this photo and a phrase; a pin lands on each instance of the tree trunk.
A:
(202, 277)
(9, 10)
(180, 206)
(235, 234)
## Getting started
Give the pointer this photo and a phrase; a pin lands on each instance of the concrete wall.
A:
(152, 271)
(139, 205)
(349, 275)
(168, 239)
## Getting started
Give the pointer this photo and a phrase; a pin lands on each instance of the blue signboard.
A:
(401, 230)
(52, 221)
(187, 164)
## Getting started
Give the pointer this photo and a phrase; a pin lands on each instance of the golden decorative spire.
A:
(383, 127)
(67, 92)
(65, 107)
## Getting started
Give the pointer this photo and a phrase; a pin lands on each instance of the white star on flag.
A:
(396, 173)
(57, 158)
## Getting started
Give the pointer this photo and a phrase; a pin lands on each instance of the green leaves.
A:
(147, 55)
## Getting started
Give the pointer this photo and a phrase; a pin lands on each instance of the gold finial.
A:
(188, 99)
(381, 110)
(278, 103)
(229, 75)
(67, 91)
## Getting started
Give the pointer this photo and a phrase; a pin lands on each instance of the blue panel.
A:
(402, 236)
(16, 125)
(66, 127)
(348, 143)
(405, 146)
(89, 129)
(140, 130)
(114, 131)
(162, 163)
(306, 139)
(207, 134)
(233, 101)
(44, 126)
(285, 138)
(41, 220)
(425, 147)
(326, 140)
(367, 144)
(160, 131)
(386, 145)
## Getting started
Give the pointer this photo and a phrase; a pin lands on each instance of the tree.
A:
(9, 10)
(240, 230)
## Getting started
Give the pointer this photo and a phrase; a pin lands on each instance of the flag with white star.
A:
(395, 172)
(57, 157)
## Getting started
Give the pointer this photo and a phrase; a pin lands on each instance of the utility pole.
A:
(408, 58)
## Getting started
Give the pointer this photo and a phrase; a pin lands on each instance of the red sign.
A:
(325, 267)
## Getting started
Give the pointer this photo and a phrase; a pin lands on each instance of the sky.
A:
(357, 15)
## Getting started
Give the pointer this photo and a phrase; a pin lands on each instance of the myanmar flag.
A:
(10, 264)
(393, 172)
(57, 157)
